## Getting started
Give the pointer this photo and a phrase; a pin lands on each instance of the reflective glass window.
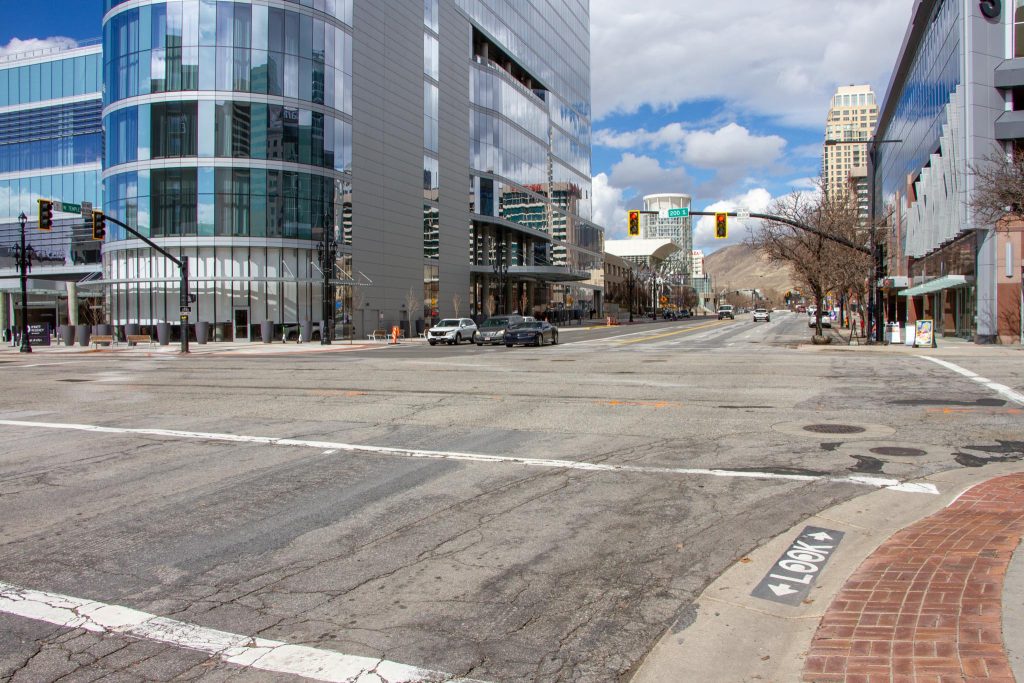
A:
(174, 132)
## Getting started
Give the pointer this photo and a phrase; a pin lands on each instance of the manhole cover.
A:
(74, 380)
(898, 451)
(834, 429)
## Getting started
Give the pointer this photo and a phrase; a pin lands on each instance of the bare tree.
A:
(456, 304)
(999, 186)
(821, 265)
(412, 302)
(489, 305)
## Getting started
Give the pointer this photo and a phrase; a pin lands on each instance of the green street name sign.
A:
(678, 213)
(67, 207)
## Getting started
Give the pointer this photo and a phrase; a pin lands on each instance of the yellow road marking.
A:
(717, 323)
(643, 404)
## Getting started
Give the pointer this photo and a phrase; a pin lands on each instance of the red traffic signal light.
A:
(99, 225)
(634, 223)
(45, 214)
(721, 226)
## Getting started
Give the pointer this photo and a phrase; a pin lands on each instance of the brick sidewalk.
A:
(926, 606)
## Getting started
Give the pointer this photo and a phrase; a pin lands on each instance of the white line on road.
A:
(1000, 389)
(876, 482)
(245, 651)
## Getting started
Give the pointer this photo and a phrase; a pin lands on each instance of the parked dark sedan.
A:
(535, 333)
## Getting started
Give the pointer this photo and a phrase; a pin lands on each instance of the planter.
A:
(83, 333)
(105, 329)
(67, 334)
(307, 331)
(202, 332)
(163, 333)
(132, 329)
(267, 331)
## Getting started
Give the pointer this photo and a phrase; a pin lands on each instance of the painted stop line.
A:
(790, 579)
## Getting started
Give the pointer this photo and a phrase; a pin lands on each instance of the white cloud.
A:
(731, 145)
(782, 59)
(609, 207)
(734, 146)
(18, 46)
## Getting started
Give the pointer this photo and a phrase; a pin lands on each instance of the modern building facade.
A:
(659, 225)
(246, 134)
(953, 100)
(851, 120)
(51, 144)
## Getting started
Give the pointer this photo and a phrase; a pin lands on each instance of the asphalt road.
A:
(528, 514)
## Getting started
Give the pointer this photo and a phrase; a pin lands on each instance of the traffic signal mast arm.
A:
(145, 239)
(796, 224)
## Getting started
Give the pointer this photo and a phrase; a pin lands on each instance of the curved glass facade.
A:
(253, 101)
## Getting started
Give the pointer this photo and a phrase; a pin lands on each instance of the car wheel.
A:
(508, 346)
(554, 339)
(539, 341)
(432, 342)
(458, 339)
(479, 343)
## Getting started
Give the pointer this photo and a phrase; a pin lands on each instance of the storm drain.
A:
(834, 429)
(899, 452)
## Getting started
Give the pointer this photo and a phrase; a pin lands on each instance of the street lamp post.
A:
(327, 250)
(24, 266)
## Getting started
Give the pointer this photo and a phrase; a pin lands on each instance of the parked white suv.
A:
(452, 331)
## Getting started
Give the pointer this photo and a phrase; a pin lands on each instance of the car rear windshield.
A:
(725, 308)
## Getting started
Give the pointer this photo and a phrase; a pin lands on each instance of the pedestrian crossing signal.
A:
(634, 223)
(721, 226)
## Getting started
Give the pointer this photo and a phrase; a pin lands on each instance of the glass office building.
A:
(241, 134)
(51, 144)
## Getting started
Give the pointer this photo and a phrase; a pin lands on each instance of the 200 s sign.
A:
(991, 8)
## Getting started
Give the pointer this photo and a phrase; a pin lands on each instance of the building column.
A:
(72, 303)
(986, 276)
(531, 297)
(5, 308)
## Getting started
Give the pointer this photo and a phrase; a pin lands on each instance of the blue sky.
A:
(725, 101)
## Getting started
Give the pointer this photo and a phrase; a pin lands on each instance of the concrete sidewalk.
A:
(914, 592)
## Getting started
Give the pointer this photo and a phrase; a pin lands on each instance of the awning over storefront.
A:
(936, 285)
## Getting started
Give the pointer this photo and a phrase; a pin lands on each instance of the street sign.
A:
(678, 213)
(791, 577)
(742, 214)
(66, 207)
(185, 310)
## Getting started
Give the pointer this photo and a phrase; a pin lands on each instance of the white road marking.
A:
(876, 482)
(1001, 389)
(245, 651)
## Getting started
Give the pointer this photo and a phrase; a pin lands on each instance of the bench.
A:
(134, 339)
(379, 335)
(98, 339)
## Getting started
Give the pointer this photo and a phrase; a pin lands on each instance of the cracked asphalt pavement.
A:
(491, 570)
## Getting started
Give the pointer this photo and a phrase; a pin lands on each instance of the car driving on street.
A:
(725, 311)
(452, 331)
(492, 330)
(535, 333)
(762, 314)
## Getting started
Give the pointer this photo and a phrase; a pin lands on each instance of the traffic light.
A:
(721, 226)
(45, 214)
(99, 226)
(634, 223)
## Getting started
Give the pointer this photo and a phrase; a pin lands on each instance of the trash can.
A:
(202, 332)
(267, 331)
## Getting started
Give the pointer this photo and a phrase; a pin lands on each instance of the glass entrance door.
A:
(241, 324)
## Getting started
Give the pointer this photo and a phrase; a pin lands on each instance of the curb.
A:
(728, 635)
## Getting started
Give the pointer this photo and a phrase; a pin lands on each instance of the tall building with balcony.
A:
(850, 123)
(245, 134)
(51, 143)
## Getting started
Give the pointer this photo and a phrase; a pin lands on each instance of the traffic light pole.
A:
(796, 224)
(182, 264)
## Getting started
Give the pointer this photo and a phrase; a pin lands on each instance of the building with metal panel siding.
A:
(953, 100)
(51, 144)
(244, 135)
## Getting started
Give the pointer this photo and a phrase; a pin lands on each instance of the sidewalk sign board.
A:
(924, 334)
(39, 335)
